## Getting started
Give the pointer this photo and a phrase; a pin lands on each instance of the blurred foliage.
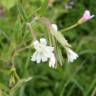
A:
(77, 79)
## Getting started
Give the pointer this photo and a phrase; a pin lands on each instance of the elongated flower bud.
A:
(86, 16)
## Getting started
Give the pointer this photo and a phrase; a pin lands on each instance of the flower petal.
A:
(51, 49)
(44, 58)
(36, 44)
(43, 41)
(52, 62)
(87, 15)
(71, 55)
(38, 57)
(48, 52)
(34, 56)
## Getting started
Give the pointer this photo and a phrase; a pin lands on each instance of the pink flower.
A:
(87, 16)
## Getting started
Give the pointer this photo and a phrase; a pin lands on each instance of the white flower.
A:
(43, 52)
(71, 55)
(52, 61)
(54, 27)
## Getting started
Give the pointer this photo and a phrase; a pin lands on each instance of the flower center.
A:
(41, 48)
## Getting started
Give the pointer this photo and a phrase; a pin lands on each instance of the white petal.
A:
(34, 56)
(48, 52)
(51, 49)
(43, 41)
(38, 57)
(54, 27)
(71, 55)
(87, 13)
(36, 44)
(92, 16)
(52, 62)
(44, 58)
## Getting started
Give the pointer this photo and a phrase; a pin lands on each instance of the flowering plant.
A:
(43, 52)
(36, 49)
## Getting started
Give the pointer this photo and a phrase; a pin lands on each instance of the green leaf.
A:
(22, 11)
(44, 6)
(8, 3)
(4, 87)
(47, 93)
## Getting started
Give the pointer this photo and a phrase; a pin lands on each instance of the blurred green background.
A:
(76, 79)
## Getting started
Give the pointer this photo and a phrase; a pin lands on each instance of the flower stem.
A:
(14, 56)
(69, 28)
(32, 31)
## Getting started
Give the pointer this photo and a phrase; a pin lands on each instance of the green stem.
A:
(14, 71)
(32, 31)
(11, 94)
(70, 27)
(13, 57)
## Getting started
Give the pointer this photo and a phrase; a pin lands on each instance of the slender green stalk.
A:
(93, 84)
(71, 78)
(70, 91)
(14, 56)
(14, 70)
(32, 31)
(69, 28)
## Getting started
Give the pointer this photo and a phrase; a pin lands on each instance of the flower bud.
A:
(86, 16)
